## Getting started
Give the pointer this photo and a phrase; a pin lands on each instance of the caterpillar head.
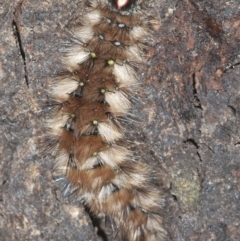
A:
(123, 5)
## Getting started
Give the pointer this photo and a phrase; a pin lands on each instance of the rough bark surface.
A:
(190, 126)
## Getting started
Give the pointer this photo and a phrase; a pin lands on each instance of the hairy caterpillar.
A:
(91, 99)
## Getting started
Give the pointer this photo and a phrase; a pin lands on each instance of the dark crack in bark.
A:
(17, 35)
(231, 66)
(195, 144)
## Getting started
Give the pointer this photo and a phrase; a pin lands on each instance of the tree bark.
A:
(190, 120)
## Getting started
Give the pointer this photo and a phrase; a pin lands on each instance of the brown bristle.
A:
(90, 145)
(137, 218)
(100, 175)
(117, 201)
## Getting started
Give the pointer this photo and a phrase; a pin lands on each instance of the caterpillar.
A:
(92, 101)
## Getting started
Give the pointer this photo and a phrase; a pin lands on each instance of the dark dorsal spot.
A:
(98, 164)
(71, 161)
(115, 188)
(68, 127)
(77, 94)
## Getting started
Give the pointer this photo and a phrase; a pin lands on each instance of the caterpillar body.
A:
(91, 98)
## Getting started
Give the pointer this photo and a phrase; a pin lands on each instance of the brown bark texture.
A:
(190, 120)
